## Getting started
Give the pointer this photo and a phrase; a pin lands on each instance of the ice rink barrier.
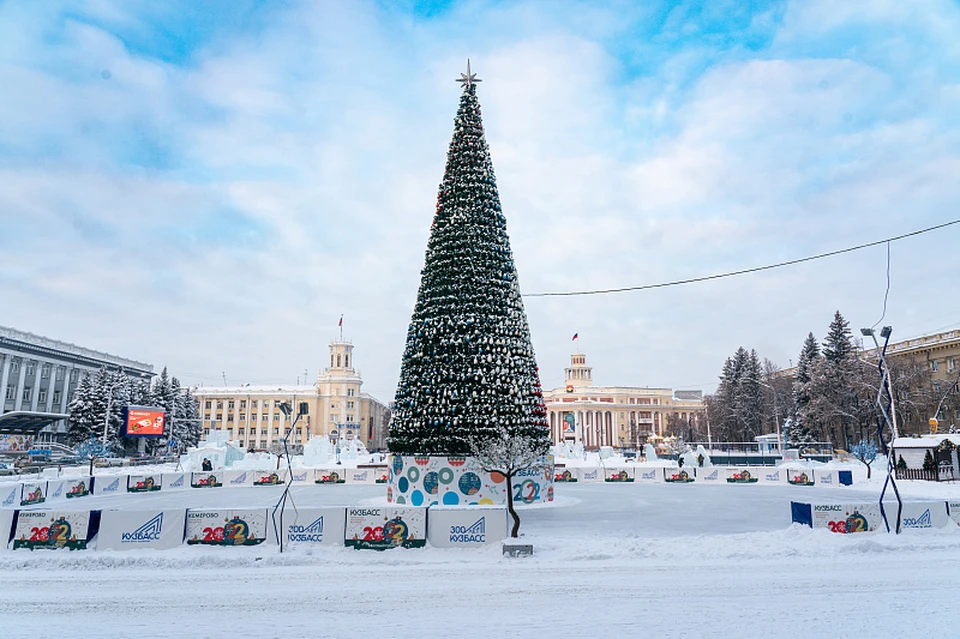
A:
(307, 527)
(711, 475)
(379, 528)
(144, 483)
(857, 517)
(6, 527)
(227, 526)
(589, 474)
(109, 485)
(137, 529)
(51, 528)
(175, 481)
(624, 474)
(472, 527)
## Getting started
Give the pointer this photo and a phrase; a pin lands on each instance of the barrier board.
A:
(471, 527)
(619, 475)
(226, 527)
(649, 475)
(919, 515)
(825, 477)
(9, 495)
(564, 475)
(712, 475)
(302, 476)
(144, 483)
(307, 527)
(329, 476)
(32, 493)
(589, 474)
(360, 475)
(799, 476)
(6, 527)
(56, 489)
(772, 475)
(130, 530)
(679, 476)
(459, 481)
(175, 481)
(207, 479)
(742, 476)
(383, 528)
(848, 518)
(237, 478)
(953, 510)
(51, 529)
(109, 485)
(77, 487)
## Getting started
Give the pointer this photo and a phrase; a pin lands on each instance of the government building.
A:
(38, 377)
(335, 408)
(619, 416)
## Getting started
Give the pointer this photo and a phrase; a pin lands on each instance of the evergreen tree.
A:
(468, 372)
(86, 413)
(801, 430)
(839, 370)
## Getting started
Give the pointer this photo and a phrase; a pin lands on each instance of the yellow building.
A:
(614, 415)
(334, 408)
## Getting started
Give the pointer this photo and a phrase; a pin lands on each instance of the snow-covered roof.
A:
(925, 441)
(274, 389)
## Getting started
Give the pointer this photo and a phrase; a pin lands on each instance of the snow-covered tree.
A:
(86, 410)
(508, 455)
(738, 413)
(92, 449)
(802, 429)
(468, 371)
(866, 452)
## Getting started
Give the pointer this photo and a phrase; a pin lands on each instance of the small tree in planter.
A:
(508, 456)
(866, 452)
(928, 463)
(901, 465)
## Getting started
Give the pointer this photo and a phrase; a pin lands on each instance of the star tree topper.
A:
(467, 79)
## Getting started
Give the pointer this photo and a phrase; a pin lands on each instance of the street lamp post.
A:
(781, 429)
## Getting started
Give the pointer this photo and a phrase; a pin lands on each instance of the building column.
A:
(4, 377)
(18, 394)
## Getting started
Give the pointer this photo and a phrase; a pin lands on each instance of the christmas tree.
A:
(468, 374)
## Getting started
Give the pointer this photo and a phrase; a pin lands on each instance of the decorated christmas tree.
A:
(469, 374)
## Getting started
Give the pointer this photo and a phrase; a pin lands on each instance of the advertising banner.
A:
(711, 475)
(329, 476)
(848, 518)
(953, 509)
(175, 481)
(360, 475)
(9, 495)
(32, 493)
(649, 475)
(919, 515)
(472, 527)
(302, 476)
(772, 475)
(144, 483)
(619, 475)
(109, 485)
(51, 529)
(6, 527)
(143, 421)
(56, 489)
(207, 479)
(799, 476)
(226, 527)
(742, 476)
(565, 475)
(236, 478)
(825, 477)
(383, 528)
(78, 487)
(589, 474)
(130, 530)
(679, 476)
(306, 527)
(459, 481)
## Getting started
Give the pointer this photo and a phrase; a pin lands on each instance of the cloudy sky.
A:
(209, 186)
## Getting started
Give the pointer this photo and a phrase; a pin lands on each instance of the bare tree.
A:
(509, 456)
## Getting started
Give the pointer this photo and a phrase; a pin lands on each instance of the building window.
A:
(73, 375)
(11, 389)
(31, 369)
(253, 403)
(42, 396)
(276, 417)
(350, 392)
(349, 419)
(219, 417)
(220, 404)
(15, 366)
(45, 371)
(229, 417)
(934, 365)
(276, 431)
(59, 373)
(57, 395)
(346, 361)
(230, 404)
(334, 417)
(349, 404)
(264, 417)
(206, 416)
(207, 404)
(242, 431)
(951, 364)
(243, 403)
(253, 417)
(27, 392)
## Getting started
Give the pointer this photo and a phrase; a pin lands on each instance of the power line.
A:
(756, 269)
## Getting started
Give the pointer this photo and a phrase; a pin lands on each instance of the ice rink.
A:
(611, 560)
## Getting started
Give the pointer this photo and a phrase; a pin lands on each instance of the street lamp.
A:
(781, 430)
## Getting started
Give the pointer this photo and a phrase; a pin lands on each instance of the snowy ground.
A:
(612, 559)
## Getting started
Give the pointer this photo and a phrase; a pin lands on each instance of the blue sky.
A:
(211, 185)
